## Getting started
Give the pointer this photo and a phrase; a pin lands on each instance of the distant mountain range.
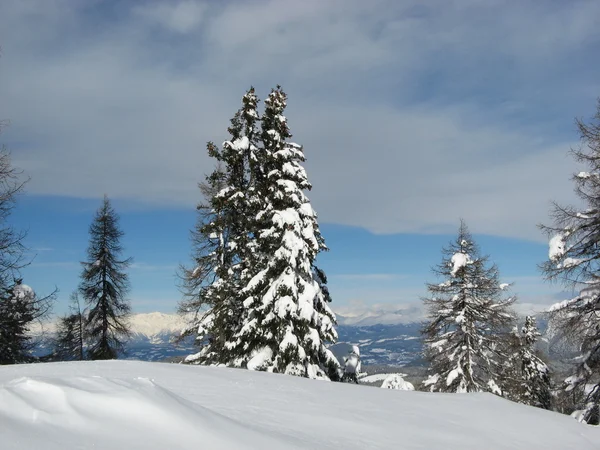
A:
(386, 338)
(394, 344)
(383, 316)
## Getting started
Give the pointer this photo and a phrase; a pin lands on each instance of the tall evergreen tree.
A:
(70, 337)
(104, 286)
(259, 300)
(574, 261)
(468, 317)
(286, 318)
(222, 240)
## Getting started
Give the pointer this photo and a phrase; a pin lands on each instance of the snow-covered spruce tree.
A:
(222, 240)
(104, 286)
(20, 307)
(69, 340)
(574, 261)
(468, 317)
(537, 389)
(526, 377)
(286, 319)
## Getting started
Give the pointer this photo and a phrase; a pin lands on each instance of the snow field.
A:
(135, 405)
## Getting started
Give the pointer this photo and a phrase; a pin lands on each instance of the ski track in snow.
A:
(135, 405)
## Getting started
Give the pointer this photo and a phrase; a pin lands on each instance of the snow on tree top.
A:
(592, 290)
(585, 175)
(458, 261)
(561, 305)
(239, 144)
(22, 291)
(569, 262)
(557, 247)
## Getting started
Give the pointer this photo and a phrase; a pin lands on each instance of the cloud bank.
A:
(412, 115)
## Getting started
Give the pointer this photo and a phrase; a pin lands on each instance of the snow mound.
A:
(396, 382)
(377, 377)
(134, 405)
(113, 413)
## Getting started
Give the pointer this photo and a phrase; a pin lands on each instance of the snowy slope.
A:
(135, 405)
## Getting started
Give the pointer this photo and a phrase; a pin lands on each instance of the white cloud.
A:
(56, 264)
(368, 276)
(412, 115)
(145, 267)
(181, 17)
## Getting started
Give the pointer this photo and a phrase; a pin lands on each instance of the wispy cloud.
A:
(141, 266)
(369, 276)
(180, 17)
(57, 264)
(42, 249)
(412, 114)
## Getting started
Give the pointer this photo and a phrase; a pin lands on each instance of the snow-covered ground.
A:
(136, 405)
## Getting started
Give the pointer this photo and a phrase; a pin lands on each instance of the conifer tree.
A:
(20, 307)
(468, 317)
(536, 375)
(286, 319)
(222, 240)
(526, 377)
(104, 286)
(259, 299)
(69, 341)
(573, 261)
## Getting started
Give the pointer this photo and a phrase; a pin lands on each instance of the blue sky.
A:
(412, 116)
(366, 271)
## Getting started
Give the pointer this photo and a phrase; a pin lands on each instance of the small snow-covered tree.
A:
(222, 240)
(526, 377)
(70, 337)
(352, 366)
(574, 258)
(396, 382)
(20, 308)
(536, 375)
(287, 321)
(468, 316)
(104, 286)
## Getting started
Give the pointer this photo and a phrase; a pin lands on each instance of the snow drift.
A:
(135, 405)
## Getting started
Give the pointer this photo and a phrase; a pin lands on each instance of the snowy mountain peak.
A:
(156, 323)
(365, 317)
